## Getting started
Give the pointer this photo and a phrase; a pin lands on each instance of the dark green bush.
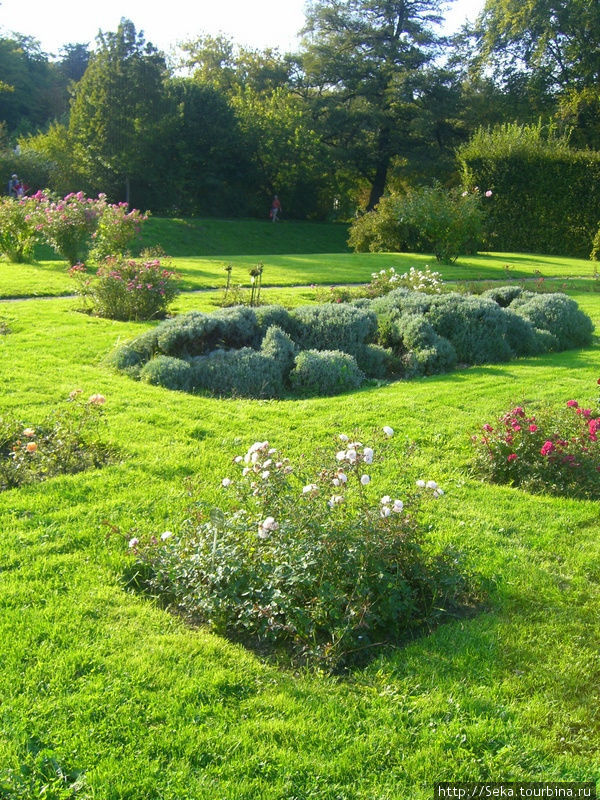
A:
(238, 373)
(595, 254)
(334, 327)
(325, 372)
(279, 346)
(557, 314)
(266, 316)
(432, 219)
(421, 349)
(375, 361)
(546, 194)
(135, 353)
(401, 301)
(521, 336)
(382, 230)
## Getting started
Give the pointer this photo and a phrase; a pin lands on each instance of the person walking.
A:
(275, 209)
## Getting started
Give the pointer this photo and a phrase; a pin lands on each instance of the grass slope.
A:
(106, 696)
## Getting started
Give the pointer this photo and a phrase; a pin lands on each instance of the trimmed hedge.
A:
(546, 196)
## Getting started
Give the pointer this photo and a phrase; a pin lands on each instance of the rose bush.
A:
(68, 441)
(546, 450)
(314, 561)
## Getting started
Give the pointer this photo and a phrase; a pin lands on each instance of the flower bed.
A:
(68, 441)
(322, 561)
(543, 450)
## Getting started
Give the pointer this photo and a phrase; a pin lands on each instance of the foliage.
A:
(116, 228)
(339, 327)
(128, 289)
(595, 254)
(428, 219)
(453, 328)
(68, 441)
(18, 233)
(119, 118)
(557, 314)
(67, 224)
(548, 45)
(325, 372)
(381, 229)
(528, 169)
(330, 584)
(543, 449)
(367, 64)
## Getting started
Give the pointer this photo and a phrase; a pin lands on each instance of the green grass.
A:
(106, 696)
(324, 269)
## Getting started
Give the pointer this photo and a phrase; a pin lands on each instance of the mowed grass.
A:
(292, 253)
(105, 695)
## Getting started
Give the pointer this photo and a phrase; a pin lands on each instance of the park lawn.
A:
(105, 695)
(303, 269)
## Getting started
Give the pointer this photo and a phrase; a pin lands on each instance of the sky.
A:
(253, 23)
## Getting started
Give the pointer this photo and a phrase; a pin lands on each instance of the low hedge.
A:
(326, 349)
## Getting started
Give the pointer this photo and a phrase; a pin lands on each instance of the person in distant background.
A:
(275, 208)
(15, 187)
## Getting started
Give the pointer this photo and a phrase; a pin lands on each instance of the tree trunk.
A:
(381, 170)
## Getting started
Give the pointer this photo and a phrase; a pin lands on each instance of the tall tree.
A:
(118, 114)
(366, 67)
(552, 46)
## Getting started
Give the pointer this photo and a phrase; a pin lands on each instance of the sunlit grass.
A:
(105, 692)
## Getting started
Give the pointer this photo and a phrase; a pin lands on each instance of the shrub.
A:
(503, 295)
(68, 224)
(116, 229)
(196, 333)
(68, 441)
(313, 562)
(325, 372)
(386, 280)
(127, 289)
(476, 327)
(376, 361)
(18, 232)
(172, 373)
(279, 346)
(522, 338)
(557, 314)
(418, 347)
(429, 219)
(134, 354)
(339, 327)
(546, 194)
(239, 373)
(382, 230)
(595, 254)
(551, 450)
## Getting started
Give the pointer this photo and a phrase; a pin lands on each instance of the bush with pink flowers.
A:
(127, 288)
(116, 229)
(67, 441)
(543, 449)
